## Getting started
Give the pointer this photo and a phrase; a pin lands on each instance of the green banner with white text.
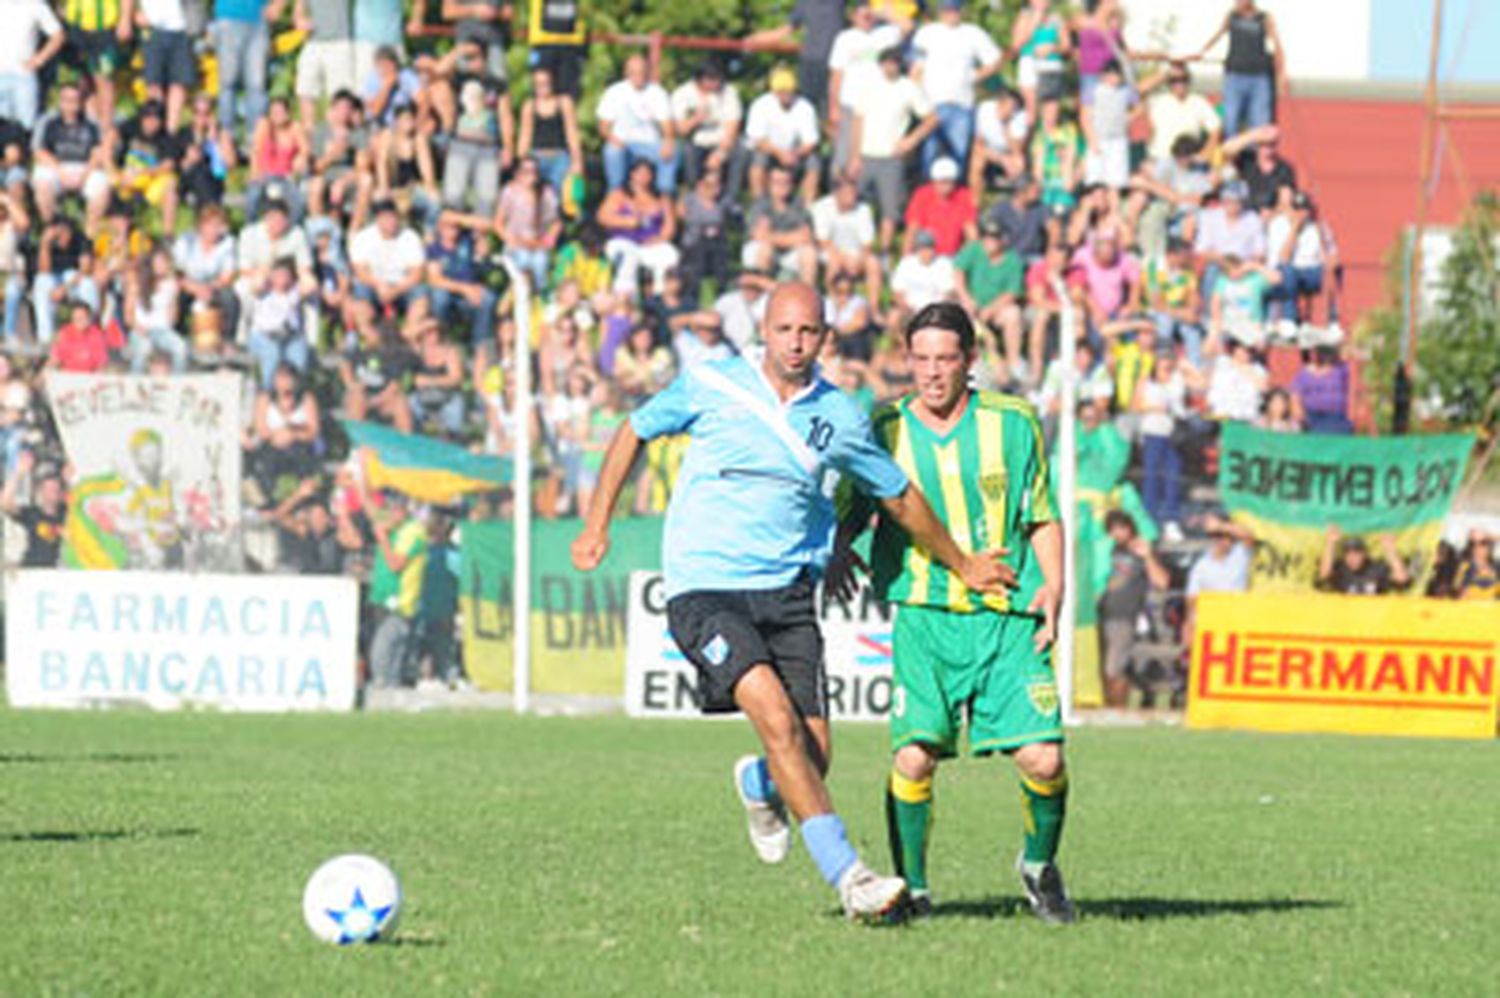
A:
(1290, 488)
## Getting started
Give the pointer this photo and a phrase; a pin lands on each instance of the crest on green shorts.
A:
(1043, 697)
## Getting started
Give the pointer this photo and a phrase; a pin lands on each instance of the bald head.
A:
(795, 295)
(794, 332)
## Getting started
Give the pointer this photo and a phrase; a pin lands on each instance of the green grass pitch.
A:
(167, 854)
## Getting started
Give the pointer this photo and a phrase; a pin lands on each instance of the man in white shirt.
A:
(742, 308)
(1000, 132)
(953, 57)
(1177, 112)
(853, 64)
(1223, 568)
(26, 22)
(922, 277)
(261, 245)
(635, 120)
(387, 260)
(783, 129)
(844, 227)
(708, 114)
(888, 103)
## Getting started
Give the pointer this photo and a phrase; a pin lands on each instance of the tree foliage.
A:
(1458, 340)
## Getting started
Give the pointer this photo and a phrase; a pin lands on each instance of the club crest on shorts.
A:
(716, 652)
(1043, 696)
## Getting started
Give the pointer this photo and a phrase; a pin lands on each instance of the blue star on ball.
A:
(358, 923)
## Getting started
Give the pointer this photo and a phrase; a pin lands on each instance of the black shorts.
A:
(99, 51)
(169, 59)
(724, 634)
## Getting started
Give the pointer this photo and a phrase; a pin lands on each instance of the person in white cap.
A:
(943, 208)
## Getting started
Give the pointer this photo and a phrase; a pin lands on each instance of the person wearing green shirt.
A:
(395, 587)
(990, 279)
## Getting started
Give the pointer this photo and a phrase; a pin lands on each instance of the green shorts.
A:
(985, 664)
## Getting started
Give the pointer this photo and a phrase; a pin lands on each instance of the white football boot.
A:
(770, 834)
(869, 897)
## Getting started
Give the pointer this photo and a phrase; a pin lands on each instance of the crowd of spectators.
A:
(345, 240)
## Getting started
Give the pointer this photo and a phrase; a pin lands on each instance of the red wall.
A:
(1360, 161)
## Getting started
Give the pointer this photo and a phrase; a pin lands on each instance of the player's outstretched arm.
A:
(982, 571)
(592, 542)
(1047, 545)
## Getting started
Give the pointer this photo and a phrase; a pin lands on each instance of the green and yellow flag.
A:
(1289, 488)
(426, 469)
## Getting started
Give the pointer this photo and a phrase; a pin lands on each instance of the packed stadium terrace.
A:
(325, 196)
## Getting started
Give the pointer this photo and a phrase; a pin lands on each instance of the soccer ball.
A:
(352, 899)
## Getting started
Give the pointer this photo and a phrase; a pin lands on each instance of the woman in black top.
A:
(549, 132)
(1253, 71)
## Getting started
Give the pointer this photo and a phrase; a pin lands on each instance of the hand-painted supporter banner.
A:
(426, 469)
(171, 640)
(660, 682)
(1358, 664)
(156, 470)
(1289, 488)
(577, 619)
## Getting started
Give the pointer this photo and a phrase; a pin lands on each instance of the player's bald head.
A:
(798, 296)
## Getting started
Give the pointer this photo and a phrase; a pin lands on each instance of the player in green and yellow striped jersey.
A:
(979, 459)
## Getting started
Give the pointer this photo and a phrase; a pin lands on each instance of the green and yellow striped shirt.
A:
(987, 481)
(92, 15)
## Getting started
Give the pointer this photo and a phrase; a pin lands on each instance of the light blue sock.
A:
(829, 846)
(757, 783)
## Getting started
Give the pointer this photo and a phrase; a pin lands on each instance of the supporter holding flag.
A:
(1346, 566)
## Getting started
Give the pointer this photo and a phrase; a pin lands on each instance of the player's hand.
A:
(589, 549)
(1047, 601)
(841, 577)
(985, 572)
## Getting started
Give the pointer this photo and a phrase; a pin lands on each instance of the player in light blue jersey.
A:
(748, 533)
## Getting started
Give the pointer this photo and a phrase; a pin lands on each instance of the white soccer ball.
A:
(352, 899)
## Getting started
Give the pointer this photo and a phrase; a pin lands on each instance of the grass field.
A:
(167, 854)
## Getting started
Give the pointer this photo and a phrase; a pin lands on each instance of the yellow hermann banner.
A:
(1351, 664)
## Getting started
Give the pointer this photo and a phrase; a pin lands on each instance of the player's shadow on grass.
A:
(62, 837)
(108, 758)
(1143, 909)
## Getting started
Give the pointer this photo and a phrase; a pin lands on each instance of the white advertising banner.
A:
(156, 464)
(661, 682)
(171, 640)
